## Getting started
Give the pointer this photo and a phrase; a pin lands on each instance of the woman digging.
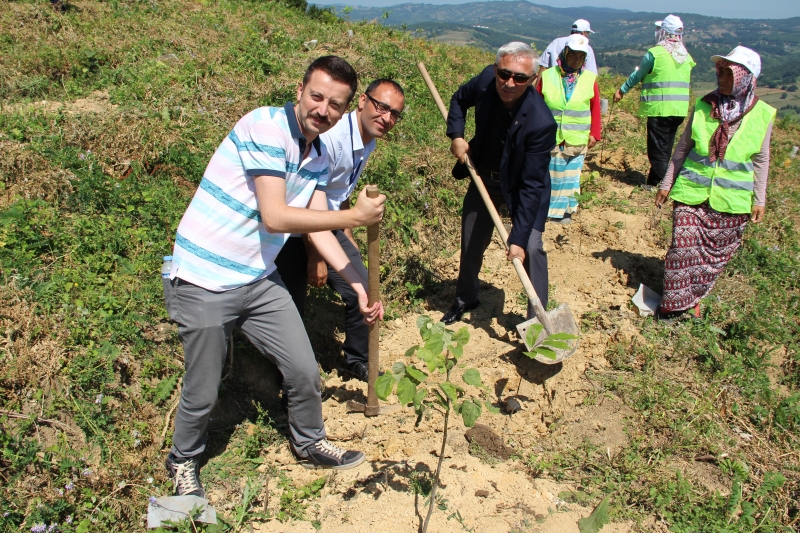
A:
(718, 180)
(572, 95)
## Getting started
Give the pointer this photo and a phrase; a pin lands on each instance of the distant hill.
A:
(620, 39)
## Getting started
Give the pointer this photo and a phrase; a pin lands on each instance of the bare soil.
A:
(596, 264)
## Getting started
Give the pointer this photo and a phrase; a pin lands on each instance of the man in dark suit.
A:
(514, 134)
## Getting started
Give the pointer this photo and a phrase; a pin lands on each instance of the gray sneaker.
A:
(184, 474)
(323, 454)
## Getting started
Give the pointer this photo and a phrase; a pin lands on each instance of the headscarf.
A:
(570, 75)
(729, 109)
(672, 43)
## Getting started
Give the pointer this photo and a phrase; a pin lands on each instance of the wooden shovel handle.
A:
(498, 223)
(374, 278)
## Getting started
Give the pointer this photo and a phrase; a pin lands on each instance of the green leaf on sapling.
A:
(435, 344)
(415, 374)
(423, 321)
(419, 396)
(472, 377)
(462, 336)
(470, 411)
(546, 352)
(456, 350)
(562, 337)
(440, 399)
(411, 350)
(555, 345)
(450, 390)
(384, 386)
(406, 391)
(491, 408)
(595, 521)
(424, 355)
(398, 370)
(533, 333)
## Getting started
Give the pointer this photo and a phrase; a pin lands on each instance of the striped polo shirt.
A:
(222, 243)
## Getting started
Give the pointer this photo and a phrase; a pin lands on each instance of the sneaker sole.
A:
(314, 466)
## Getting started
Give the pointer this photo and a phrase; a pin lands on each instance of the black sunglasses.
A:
(385, 108)
(504, 75)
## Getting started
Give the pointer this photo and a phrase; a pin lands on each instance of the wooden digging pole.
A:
(373, 407)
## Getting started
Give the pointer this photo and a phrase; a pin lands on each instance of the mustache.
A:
(319, 117)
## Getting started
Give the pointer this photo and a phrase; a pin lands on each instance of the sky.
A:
(726, 8)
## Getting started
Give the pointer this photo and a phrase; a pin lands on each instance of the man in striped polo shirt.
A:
(266, 180)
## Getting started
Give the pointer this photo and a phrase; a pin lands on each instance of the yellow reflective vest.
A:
(726, 184)
(666, 90)
(574, 117)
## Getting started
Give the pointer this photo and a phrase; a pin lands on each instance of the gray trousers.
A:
(292, 263)
(476, 234)
(265, 313)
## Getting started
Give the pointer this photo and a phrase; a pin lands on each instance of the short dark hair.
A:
(337, 68)
(380, 81)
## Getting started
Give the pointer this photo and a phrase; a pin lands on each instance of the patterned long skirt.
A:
(703, 241)
(565, 178)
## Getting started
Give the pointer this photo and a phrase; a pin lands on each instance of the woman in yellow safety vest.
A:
(665, 73)
(572, 95)
(718, 180)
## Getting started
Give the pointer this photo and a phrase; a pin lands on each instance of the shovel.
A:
(559, 320)
(373, 408)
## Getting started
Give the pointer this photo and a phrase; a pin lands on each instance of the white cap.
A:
(578, 43)
(671, 24)
(581, 25)
(743, 56)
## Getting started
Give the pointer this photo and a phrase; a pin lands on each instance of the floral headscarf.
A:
(729, 109)
(570, 77)
(672, 43)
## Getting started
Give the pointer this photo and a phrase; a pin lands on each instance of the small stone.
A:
(350, 34)
(310, 45)
(512, 405)
(482, 493)
(168, 58)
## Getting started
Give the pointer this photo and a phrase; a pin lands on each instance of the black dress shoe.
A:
(455, 313)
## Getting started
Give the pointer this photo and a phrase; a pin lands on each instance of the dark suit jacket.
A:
(524, 166)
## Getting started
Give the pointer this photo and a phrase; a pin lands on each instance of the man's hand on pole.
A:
(618, 95)
(515, 252)
(661, 197)
(371, 314)
(460, 148)
(758, 214)
(592, 142)
(367, 211)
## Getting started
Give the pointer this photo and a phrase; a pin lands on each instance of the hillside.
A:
(620, 36)
(109, 113)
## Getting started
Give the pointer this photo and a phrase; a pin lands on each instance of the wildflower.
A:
(136, 443)
(152, 499)
(86, 472)
(39, 528)
(68, 520)
(83, 459)
(53, 527)
(99, 399)
(6, 514)
(69, 486)
(121, 485)
(60, 492)
(135, 434)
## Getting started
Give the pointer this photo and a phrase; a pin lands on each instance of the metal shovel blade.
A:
(563, 322)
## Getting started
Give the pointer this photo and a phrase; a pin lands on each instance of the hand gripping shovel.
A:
(373, 408)
(559, 320)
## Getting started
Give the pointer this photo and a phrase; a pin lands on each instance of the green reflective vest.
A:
(726, 184)
(574, 118)
(665, 91)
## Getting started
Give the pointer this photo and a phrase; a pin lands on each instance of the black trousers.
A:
(292, 263)
(476, 234)
(660, 140)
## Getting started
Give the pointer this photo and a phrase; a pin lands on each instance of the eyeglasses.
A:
(504, 75)
(385, 108)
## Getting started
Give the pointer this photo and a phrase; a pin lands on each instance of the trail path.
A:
(595, 265)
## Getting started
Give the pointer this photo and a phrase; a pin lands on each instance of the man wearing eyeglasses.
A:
(514, 134)
(349, 144)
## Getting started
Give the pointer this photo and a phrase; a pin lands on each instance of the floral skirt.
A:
(565, 179)
(703, 241)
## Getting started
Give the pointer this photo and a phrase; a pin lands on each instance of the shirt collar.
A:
(355, 137)
(294, 129)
